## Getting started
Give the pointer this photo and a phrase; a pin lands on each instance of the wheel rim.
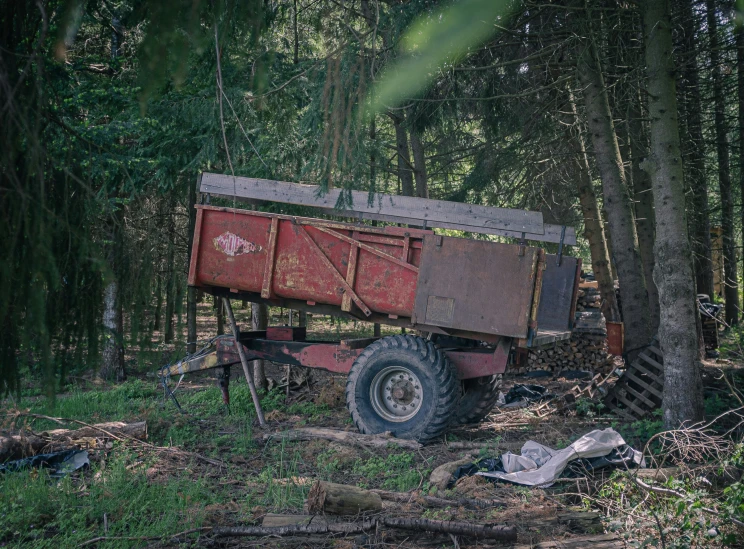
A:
(396, 393)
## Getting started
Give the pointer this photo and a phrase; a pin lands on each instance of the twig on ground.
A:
(145, 538)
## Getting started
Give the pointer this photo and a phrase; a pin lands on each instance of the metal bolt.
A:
(395, 405)
(389, 398)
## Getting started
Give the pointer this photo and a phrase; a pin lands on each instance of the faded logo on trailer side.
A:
(232, 245)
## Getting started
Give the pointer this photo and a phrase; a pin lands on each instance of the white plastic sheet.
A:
(539, 465)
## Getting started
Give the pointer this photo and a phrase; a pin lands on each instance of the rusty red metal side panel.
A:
(233, 249)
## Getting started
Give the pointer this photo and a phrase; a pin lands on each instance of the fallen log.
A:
(29, 444)
(340, 499)
(381, 440)
(604, 541)
(431, 501)
(472, 530)
(273, 520)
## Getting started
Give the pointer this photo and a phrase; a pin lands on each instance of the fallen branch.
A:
(144, 538)
(674, 493)
(479, 531)
(121, 436)
(381, 440)
(604, 541)
(431, 501)
(29, 444)
(474, 445)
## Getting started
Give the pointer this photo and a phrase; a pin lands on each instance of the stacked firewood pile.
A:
(587, 348)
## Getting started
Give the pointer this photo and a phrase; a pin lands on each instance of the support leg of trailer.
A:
(244, 362)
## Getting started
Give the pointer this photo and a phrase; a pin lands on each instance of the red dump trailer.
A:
(472, 302)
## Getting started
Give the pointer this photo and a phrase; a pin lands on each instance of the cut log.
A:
(345, 437)
(340, 499)
(28, 444)
(478, 531)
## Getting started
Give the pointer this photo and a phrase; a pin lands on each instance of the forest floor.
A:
(209, 468)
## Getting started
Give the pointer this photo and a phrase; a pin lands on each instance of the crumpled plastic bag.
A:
(59, 463)
(538, 465)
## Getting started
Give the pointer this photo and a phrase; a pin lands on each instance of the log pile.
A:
(587, 348)
(584, 352)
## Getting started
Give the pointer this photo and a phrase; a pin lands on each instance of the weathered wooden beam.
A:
(418, 210)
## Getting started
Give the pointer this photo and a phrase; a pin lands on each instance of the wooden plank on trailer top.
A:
(420, 209)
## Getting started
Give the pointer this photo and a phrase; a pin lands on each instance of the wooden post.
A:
(244, 362)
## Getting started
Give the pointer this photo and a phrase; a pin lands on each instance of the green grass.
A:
(399, 472)
(41, 512)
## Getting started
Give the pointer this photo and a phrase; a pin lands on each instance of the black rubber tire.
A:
(438, 379)
(479, 396)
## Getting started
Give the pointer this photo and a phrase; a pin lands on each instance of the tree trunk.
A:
(740, 89)
(191, 334)
(419, 165)
(170, 286)
(170, 298)
(112, 364)
(112, 357)
(372, 154)
(644, 205)
(296, 57)
(695, 165)
(731, 291)
(682, 395)
(593, 229)
(259, 321)
(635, 308)
(404, 157)
(158, 303)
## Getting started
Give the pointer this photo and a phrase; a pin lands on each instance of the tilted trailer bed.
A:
(473, 301)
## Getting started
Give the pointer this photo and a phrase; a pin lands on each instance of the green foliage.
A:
(639, 432)
(733, 503)
(586, 407)
(434, 41)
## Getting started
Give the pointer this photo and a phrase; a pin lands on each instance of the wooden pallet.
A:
(638, 392)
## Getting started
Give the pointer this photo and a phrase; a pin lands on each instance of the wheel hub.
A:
(396, 393)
